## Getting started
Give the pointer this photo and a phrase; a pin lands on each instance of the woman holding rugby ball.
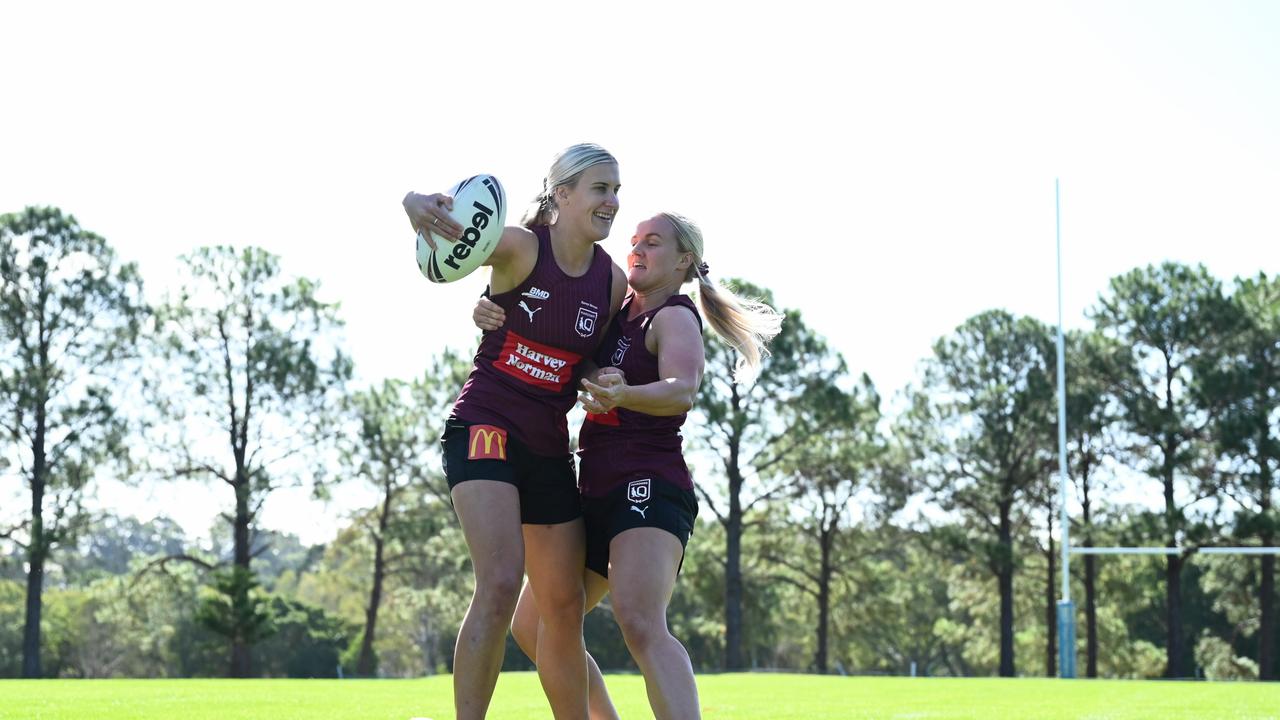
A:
(506, 443)
(637, 493)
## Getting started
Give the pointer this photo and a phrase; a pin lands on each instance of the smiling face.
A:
(655, 259)
(589, 206)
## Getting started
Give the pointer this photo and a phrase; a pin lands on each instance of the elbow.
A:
(676, 398)
(673, 405)
(684, 403)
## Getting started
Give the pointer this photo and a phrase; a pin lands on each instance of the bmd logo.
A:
(487, 443)
(638, 491)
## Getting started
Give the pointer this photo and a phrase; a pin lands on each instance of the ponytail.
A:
(744, 324)
(541, 211)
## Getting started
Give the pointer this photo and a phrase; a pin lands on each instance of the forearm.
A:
(672, 396)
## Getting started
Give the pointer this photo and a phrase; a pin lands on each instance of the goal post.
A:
(1066, 608)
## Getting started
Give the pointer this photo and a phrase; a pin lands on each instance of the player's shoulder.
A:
(517, 242)
(519, 235)
(677, 317)
(619, 279)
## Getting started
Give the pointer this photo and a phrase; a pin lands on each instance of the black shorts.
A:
(547, 485)
(641, 502)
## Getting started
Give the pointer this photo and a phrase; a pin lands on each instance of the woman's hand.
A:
(488, 315)
(610, 370)
(606, 393)
(430, 214)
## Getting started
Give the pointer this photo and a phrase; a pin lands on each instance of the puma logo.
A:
(642, 511)
(526, 309)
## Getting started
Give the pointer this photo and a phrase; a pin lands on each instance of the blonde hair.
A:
(747, 325)
(566, 168)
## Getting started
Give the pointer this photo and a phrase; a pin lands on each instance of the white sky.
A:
(887, 168)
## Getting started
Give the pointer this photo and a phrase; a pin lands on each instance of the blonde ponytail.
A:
(744, 324)
(541, 210)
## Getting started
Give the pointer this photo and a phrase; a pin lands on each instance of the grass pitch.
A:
(736, 696)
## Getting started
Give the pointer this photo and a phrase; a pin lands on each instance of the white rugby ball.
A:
(480, 207)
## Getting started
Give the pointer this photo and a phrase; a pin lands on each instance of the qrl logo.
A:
(586, 323)
(638, 491)
(487, 443)
(624, 344)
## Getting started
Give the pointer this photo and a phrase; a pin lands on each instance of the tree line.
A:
(837, 533)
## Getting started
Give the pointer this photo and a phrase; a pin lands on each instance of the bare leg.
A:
(525, 629)
(642, 576)
(489, 512)
(554, 560)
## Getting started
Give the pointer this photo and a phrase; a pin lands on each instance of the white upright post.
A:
(1066, 610)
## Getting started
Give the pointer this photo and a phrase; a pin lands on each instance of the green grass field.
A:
(736, 696)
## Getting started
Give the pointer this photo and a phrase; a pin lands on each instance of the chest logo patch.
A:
(586, 322)
(624, 344)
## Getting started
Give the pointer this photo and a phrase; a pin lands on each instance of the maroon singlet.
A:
(622, 444)
(523, 376)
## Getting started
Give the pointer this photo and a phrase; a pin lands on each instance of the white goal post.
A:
(1066, 609)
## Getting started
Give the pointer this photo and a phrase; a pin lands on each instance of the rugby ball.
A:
(480, 207)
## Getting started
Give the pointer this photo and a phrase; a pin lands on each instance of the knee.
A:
(641, 627)
(562, 604)
(497, 592)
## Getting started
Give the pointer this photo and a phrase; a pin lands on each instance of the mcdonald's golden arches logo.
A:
(487, 443)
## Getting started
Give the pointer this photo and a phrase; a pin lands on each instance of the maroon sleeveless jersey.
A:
(623, 444)
(523, 376)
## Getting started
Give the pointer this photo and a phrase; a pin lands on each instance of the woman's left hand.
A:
(604, 395)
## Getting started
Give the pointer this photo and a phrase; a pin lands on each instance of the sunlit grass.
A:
(737, 696)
